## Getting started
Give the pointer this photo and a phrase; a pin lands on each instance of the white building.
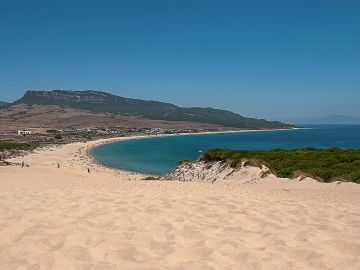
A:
(23, 132)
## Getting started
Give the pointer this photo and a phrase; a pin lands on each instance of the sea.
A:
(158, 155)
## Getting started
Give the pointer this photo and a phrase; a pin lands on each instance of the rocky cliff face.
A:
(67, 96)
(213, 172)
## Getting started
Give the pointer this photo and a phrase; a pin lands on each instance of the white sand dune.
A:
(66, 218)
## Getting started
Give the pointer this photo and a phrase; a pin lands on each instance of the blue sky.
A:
(272, 59)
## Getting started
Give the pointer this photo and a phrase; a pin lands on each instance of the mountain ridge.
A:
(103, 102)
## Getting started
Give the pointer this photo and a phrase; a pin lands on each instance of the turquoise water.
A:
(157, 156)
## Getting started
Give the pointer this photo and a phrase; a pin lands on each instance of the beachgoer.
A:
(58, 165)
(88, 170)
(22, 164)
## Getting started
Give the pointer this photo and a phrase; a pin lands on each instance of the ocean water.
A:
(156, 156)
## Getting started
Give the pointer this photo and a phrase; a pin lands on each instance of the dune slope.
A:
(67, 218)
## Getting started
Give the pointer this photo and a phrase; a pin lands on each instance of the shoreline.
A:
(91, 144)
(100, 142)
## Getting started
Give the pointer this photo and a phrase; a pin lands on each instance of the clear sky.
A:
(273, 59)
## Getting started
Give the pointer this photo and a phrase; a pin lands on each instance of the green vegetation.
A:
(327, 165)
(58, 137)
(86, 136)
(16, 146)
(151, 178)
(185, 161)
(101, 102)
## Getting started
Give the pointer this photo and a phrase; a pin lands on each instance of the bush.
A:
(253, 163)
(151, 178)
(16, 146)
(58, 137)
(181, 162)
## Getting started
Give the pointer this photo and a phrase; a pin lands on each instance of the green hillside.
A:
(101, 102)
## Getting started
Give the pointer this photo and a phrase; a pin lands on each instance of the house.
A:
(23, 132)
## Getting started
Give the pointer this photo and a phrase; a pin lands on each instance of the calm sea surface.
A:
(157, 156)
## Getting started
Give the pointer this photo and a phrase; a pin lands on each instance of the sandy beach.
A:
(67, 218)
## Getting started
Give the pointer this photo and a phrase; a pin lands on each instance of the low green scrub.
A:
(326, 165)
(15, 146)
(151, 178)
(185, 161)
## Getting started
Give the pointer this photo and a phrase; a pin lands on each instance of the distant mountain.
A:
(102, 102)
(340, 119)
(335, 119)
(3, 103)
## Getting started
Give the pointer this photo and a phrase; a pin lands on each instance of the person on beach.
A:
(88, 169)
(58, 165)
(22, 164)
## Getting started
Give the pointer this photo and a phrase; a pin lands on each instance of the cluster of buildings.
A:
(80, 134)
(24, 132)
(126, 131)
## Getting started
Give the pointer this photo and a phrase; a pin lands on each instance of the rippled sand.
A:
(66, 218)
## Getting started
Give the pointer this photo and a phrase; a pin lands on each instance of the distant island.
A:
(335, 119)
(3, 103)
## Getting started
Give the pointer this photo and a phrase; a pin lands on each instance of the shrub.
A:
(16, 146)
(253, 163)
(181, 162)
(151, 178)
